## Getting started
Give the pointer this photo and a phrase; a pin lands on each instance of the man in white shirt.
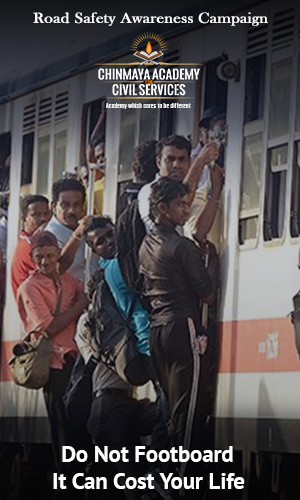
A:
(173, 160)
(68, 205)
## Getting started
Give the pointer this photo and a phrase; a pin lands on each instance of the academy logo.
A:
(149, 47)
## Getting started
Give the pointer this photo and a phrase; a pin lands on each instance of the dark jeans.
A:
(180, 370)
(64, 432)
(119, 422)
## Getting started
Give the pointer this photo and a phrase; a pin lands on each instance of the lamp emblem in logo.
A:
(149, 47)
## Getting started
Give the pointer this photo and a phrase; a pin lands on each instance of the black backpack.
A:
(115, 338)
(130, 234)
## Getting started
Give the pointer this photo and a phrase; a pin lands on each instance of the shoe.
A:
(158, 484)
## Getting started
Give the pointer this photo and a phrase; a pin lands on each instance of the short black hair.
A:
(96, 222)
(29, 200)
(98, 139)
(144, 161)
(165, 190)
(69, 184)
(178, 141)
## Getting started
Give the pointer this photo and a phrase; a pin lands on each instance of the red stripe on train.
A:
(255, 346)
(265, 345)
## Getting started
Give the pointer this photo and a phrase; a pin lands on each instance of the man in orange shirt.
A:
(51, 303)
(34, 212)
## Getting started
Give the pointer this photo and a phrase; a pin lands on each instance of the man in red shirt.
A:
(51, 303)
(34, 212)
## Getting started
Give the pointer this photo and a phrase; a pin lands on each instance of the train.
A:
(251, 73)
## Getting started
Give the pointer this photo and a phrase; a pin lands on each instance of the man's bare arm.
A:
(207, 154)
(69, 250)
(61, 321)
(205, 219)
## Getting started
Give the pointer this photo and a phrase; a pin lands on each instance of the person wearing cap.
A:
(34, 213)
(50, 303)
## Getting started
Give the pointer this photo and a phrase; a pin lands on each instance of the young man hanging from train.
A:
(117, 418)
(175, 281)
(173, 160)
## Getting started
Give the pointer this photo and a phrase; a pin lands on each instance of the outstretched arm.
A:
(205, 219)
(70, 248)
(207, 154)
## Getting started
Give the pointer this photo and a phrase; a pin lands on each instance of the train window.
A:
(93, 124)
(127, 141)
(44, 140)
(215, 88)
(5, 151)
(280, 98)
(275, 192)
(137, 125)
(148, 123)
(29, 124)
(295, 202)
(297, 127)
(60, 149)
(166, 121)
(254, 92)
(43, 164)
(27, 159)
(250, 188)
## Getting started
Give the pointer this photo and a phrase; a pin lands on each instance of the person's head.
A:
(173, 157)
(34, 212)
(45, 252)
(205, 124)
(99, 234)
(68, 201)
(218, 126)
(83, 175)
(98, 145)
(144, 162)
(168, 202)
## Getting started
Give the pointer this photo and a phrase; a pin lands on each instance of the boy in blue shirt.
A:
(99, 234)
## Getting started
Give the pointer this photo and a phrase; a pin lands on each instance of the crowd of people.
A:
(164, 284)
